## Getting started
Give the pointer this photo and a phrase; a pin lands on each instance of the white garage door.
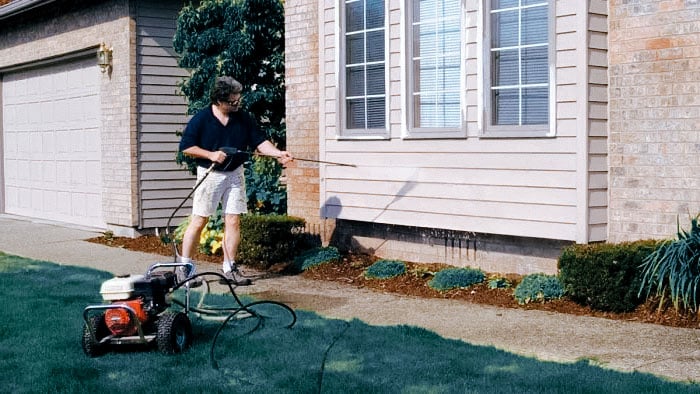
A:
(51, 143)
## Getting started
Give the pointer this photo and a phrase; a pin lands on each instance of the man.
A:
(220, 126)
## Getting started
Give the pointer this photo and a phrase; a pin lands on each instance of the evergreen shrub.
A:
(385, 269)
(538, 287)
(498, 282)
(604, 276)
(315, 257)
(269, 239)
(453, 278)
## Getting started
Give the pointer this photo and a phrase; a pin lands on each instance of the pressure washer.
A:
(142, 309)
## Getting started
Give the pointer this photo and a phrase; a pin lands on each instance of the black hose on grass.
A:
(233, 311)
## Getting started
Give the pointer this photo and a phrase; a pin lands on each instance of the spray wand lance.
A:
(232, 151)
(229, 151)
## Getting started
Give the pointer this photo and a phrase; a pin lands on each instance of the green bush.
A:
(673, 269)
(315, 257)
(385, 269)
(538, 287)
(268, 239)
(265, 239)
(604, 276)
(452, 278)
(498, 282)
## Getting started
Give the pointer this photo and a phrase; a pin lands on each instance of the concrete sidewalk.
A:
(624, 346)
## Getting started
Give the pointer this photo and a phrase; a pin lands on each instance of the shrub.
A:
(674, 269)
(265, 239)
(451, 278)
(315, 257)
(499, 282)
(265, 193)
(604, 276)
(269, 239)
(538, 287)
(385, 269)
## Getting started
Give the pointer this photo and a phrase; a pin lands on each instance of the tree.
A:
(243, 39)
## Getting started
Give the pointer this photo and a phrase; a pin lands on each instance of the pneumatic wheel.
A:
(91, 345)
(174, 332)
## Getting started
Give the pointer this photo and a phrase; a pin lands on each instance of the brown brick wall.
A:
(302, 93)
(654, 56)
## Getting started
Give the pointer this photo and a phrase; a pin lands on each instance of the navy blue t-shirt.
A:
(206, 131)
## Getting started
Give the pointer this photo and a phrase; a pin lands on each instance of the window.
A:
(518, 87)
(435, 73)
(364, 68)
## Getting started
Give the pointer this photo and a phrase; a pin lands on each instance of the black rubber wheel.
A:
(92, 346)
(174, 332)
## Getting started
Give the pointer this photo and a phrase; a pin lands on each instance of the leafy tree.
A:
(243, 39)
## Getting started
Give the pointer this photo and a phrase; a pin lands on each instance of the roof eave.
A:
(18, 6)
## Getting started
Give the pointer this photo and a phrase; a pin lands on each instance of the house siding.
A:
(546, 190)
(67, 29)
(161, 113)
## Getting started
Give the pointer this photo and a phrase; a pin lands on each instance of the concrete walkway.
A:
(626, 346)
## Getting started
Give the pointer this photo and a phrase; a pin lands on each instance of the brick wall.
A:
(63, 28)
(302, 93)
(654, 87)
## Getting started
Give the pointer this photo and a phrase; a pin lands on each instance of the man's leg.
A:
(232, 238)
(190, 239)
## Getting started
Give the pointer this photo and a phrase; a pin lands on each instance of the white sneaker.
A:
(183, 274)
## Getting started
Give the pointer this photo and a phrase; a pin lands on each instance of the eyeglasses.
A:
(235, 102)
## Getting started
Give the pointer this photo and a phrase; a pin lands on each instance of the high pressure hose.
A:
(217, 312)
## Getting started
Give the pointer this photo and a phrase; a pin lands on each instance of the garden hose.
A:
(219, 312)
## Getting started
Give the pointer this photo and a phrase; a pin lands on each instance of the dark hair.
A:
(223, 88)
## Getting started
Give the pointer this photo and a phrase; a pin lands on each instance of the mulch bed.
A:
(414, 283)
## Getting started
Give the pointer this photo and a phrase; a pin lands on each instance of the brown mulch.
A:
(414, 283)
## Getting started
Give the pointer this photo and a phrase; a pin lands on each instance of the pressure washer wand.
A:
(300, 159)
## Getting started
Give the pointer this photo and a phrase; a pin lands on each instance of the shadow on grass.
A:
(42, 325)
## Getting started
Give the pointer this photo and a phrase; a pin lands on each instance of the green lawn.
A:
(42, 323)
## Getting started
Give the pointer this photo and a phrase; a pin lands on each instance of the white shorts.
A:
(227, 188)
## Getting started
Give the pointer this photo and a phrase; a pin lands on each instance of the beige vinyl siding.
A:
(162, 112)
(532, 187)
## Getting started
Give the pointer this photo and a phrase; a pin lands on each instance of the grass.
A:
(42, 324)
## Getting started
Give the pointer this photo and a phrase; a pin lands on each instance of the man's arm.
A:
(266, 148)
(199, 153)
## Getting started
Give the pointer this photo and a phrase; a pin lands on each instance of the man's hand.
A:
(217, 157)
(284, 157)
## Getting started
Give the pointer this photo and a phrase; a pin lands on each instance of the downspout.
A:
(582, 140)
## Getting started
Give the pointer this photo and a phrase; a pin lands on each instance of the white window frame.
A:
(411, 131)
(344, 132)
(486, 126)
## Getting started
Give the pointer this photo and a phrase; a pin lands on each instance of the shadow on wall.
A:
(449, 246)
(446, 245)
(344, 242)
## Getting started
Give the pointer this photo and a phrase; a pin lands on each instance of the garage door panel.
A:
(52, 148)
